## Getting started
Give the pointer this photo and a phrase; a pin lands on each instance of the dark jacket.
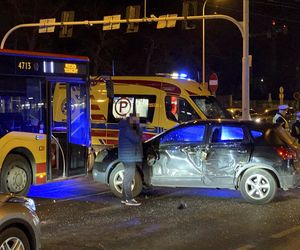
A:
(130, 143)
(296, 130)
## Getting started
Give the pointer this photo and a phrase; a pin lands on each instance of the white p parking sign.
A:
(122, 106)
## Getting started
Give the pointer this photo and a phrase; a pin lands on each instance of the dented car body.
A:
(254, 158)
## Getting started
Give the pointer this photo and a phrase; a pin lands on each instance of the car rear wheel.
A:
(14, 238)
(258, 186)
(16, 176)
(116, 181)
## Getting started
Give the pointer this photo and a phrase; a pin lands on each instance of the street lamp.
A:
(245, 59)
(203, 42)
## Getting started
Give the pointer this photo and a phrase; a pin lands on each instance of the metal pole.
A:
(138, 20)
(145, 8)
(203, 42)
(245, 67)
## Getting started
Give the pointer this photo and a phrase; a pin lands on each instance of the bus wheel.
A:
(15, 175)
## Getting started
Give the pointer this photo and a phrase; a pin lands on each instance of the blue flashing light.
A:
(179, 75)
(183, 75)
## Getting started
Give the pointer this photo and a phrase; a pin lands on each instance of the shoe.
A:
(132, 202)
(123, 201)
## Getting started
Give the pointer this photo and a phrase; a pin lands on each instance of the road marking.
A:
(285, 232)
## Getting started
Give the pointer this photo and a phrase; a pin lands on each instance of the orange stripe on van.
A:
(167, 87)
(98, 133)
(113, 133)
(95, 107)
(112, 142)
(98, 117)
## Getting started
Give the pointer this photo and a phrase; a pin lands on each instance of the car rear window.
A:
(279, 136)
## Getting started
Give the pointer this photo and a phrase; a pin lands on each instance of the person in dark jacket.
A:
(296, 128)
(130, 152)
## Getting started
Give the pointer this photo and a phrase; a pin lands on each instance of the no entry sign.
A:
(213, 82)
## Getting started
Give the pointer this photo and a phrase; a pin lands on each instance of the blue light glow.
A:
(59, 189)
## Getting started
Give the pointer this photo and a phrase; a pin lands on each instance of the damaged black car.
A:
(255, 158)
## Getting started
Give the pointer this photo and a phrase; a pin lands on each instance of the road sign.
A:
(166, 24)
(296, 95)
(111, 26)
(213, 82)
(45, 28)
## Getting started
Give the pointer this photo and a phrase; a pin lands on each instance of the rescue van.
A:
(160, 102)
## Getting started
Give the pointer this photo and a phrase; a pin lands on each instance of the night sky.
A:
(274, 41)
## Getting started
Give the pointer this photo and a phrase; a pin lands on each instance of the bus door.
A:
(69, 129)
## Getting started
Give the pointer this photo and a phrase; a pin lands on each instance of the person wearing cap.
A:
(296, 128)
(280, 116)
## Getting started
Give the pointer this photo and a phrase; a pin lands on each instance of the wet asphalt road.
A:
(82, 214)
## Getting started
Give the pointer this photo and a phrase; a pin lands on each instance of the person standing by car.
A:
(296, 128)
(129, 153)
(280, 116)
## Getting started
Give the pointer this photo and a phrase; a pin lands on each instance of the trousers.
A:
(129, 173)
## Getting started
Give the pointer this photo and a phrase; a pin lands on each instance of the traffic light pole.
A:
(245, 63)
(243, 28)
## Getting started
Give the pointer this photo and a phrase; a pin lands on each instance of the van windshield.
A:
(210, 107)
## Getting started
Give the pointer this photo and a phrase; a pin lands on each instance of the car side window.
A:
(194, 133)
(227, 134)
(256, 134)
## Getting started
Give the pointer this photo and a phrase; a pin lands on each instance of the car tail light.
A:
(286, 153)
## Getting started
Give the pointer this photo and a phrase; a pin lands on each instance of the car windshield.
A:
(211, 107)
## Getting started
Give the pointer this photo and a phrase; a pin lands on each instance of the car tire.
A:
(13, 236)
(15, 175)
(116, 181)
(258, 193)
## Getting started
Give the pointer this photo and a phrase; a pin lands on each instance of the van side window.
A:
(179, 110)
(123, 105)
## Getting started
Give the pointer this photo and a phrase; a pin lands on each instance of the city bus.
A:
(36, 145)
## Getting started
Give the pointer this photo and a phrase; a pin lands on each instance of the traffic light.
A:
(66, 31)
(278, 28)
(189, 8)
(133, 12)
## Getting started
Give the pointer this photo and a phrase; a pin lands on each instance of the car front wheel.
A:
(258, 186)
(14, 238)
(116, 181)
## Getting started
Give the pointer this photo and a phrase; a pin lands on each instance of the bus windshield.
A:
(211, 107)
